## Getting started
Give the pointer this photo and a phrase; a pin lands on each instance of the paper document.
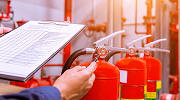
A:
(26, 49)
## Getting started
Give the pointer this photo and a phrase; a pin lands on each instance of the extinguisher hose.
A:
(73, 56)
(110, 54)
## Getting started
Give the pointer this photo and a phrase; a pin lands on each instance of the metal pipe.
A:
(117, 20)
(133, 24)
(121, 26)
(110, 22)
(136, 21)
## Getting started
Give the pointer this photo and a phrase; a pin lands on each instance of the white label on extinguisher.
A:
(177, 26)
(123, 76)
(168, 96)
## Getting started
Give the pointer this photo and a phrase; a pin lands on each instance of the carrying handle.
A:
(104, 41)
(149, 45)
(135, 41)
(154, 42)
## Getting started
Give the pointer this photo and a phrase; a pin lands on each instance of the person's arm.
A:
(72, 85)
(39, 93)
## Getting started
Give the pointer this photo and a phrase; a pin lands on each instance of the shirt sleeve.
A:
(39, 93)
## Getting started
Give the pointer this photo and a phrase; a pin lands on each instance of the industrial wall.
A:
(82, 10)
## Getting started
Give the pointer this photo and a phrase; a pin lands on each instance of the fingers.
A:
(90, 81)
(1, 30)
(79, 68)
(92, 78)
(4, 30)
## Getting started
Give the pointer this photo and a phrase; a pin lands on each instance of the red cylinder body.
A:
(153, 77)
(106, 84)
(132, 78)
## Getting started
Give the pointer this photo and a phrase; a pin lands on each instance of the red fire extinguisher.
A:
(153, 72)
(106, 84)
(132, 77)
(132, 73)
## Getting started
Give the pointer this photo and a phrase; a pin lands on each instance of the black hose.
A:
(71, 58)
(110, 54)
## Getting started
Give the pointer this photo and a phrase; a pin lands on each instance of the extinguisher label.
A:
(158, 85)
(151, 95)
(145, 91)
(123, 76)
(119, 92)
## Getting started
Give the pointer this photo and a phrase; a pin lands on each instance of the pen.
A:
(95, 59)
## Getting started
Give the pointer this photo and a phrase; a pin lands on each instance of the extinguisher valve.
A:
(102, 47)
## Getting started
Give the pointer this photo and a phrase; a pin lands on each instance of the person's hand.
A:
(74, 83)
(4, 30)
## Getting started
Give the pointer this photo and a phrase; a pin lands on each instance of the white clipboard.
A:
(26, 49)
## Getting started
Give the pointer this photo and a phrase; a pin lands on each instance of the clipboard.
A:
(26, 49)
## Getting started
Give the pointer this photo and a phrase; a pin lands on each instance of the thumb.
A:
(91, 68)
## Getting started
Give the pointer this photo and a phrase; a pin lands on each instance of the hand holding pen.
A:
(95, 59)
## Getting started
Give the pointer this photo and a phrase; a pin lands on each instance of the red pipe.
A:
(176, 57)
(174, 29)
(8, 9)
(149, 7)
(67, 17)
(175, 84)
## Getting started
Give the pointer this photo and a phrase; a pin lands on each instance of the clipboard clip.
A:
(64, 23)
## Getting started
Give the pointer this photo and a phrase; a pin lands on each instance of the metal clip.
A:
(64, 23)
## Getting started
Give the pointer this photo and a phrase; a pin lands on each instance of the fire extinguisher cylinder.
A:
(153, 72)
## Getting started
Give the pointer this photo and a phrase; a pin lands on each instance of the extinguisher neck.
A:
(129, 55)
(100, 58)
(147, 54)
